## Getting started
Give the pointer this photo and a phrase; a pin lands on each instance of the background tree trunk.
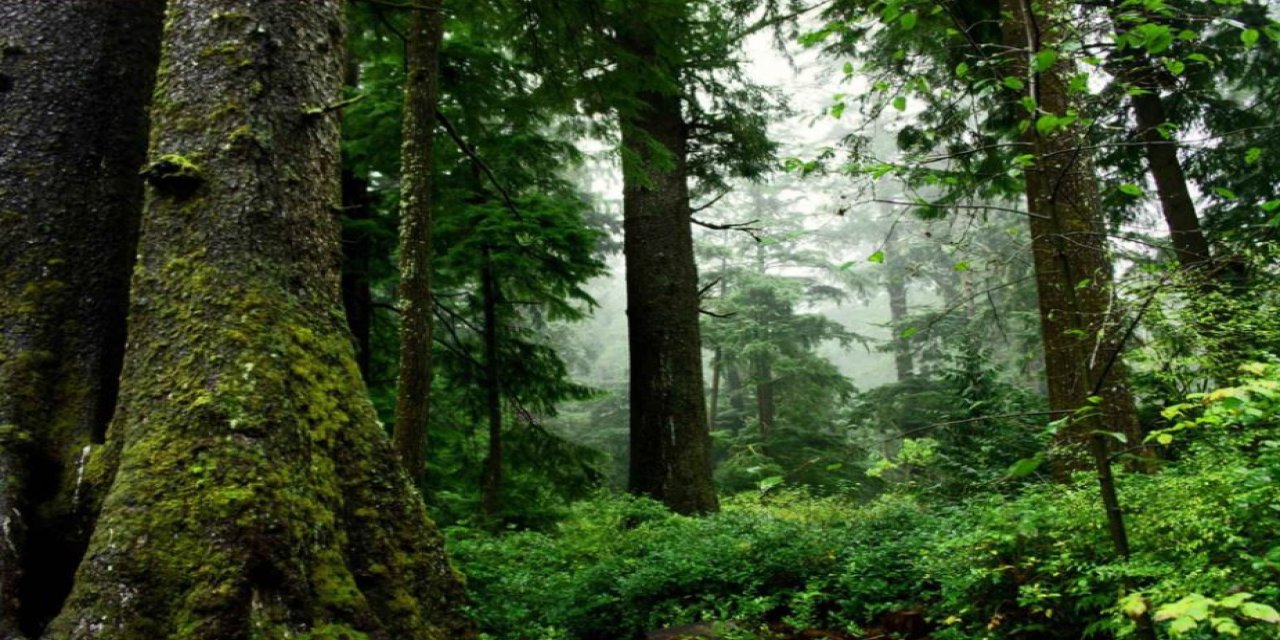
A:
(421, 93)
(492, 499)
(256, 494)
(75, 79)
(670, 443)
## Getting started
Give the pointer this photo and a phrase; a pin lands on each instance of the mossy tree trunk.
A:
(75, 78)
(421, 93)
(256, 495)
(670, 442)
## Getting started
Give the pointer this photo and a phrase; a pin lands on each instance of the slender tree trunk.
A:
(670, 443)
(1078, 309)
(256, 495)
(896, 284)
(357, 254)
(1176, 203)
(733, 380)
(421, 93)
(1189, 243)
(75, 79)
(766, 408)
(492, 499)
(713, 405)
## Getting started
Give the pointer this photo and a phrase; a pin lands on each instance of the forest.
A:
(639, 319)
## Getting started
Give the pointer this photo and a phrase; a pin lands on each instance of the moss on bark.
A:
(256, 494)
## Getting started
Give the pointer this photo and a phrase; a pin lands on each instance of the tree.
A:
(421, 94)
(670, 444)
(74, 82)
(1083, 331)
(255, 494)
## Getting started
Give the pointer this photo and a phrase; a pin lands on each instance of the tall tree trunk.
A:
(357, 254)
(733, 380)
(1073, 272)
(75, 79)
(1080, 321)
(1179, 208)
(766, 408)
(492, 499)
(713, 404)
(421, 93)
(1189, 243)
(896, 284)
(256, 495)
(670, 443)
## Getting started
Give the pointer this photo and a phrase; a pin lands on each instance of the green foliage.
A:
(1033, 564)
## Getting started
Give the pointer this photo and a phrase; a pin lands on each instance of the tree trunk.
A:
(896, 284)
(421, 93)
(357, 253)
(75, 79)
(670, 443)
(256, 495)
(766, 408)
(733, 380)
(1179, 209)
(713, 405)
(492, 499)
(1189, 243)
(1080, 323)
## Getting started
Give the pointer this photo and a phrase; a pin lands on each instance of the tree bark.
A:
(75, 79)
(422, 92)
(256, 495)
(670, 443)
(1078, 309)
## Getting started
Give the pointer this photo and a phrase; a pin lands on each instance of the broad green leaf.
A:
(1014, 82)
(877, 257)
(962, 69)
(900, 103)
(1249, 37)
(961, 266)
(1025, 466)
(908, 20)
(1131, 190)
(1259, 611)
(1043, 60)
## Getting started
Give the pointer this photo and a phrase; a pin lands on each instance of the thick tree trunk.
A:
(670, 443)
(75, 79)
(422, 92)
(492, 499)
(1080, 318)
(357, 254)
(256, 496)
